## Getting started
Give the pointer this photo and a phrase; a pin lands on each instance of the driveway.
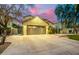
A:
(41, 45)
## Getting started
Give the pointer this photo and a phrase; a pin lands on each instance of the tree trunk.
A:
(3, 37)
(3, 40)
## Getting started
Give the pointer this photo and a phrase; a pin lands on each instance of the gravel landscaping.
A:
(4, 46)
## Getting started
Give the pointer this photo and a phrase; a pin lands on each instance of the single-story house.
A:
(33, 25)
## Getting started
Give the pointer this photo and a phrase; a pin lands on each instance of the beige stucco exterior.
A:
(36, 22)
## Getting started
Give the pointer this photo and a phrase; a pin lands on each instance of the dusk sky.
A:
(43, 10)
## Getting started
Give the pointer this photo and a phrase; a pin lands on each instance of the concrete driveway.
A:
(41, 45)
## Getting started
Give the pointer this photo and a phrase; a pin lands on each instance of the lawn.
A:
(74, 37)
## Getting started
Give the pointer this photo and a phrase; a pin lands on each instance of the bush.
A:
(51, 30)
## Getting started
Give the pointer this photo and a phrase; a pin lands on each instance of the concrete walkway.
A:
(41, 45)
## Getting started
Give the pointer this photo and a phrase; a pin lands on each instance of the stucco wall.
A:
(35, 21)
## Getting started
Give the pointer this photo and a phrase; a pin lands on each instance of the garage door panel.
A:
(36, 30)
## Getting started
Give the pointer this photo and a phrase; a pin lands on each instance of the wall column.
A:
(46, 29)
(24, 30)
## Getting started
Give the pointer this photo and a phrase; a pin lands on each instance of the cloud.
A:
(50, 15)
(33, 10)
(38, 5)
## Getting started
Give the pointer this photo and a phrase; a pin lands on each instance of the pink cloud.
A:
(33, 10)
(49, 15)
(49, 12)
(38, 5)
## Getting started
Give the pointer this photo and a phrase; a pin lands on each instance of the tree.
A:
(69, 15)
(76, 12)
(66, 12)
(76, 18)
(7, 13)
(59, 12)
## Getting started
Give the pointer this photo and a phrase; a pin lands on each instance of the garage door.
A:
(31, 30)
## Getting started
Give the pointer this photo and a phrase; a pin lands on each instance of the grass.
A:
(74, 37)
(4, 46)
